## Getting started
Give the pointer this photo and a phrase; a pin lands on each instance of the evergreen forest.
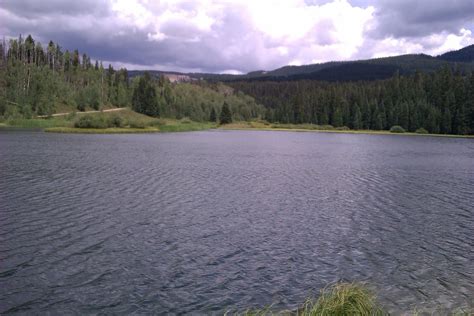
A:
(39, 80)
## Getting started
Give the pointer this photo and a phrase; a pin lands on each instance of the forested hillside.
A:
(42, 80)
(360, 70)
(465, 55)
(37, 80)
(441, 102)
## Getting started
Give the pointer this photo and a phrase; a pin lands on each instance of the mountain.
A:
(365, 70)
(359, 70)
(464, 55)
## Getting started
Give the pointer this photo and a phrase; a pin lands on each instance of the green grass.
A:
(132, 122)
(342, 299)
(38, 123)
(115, 130)
(346, 299)
(167, 128)
(322, 128)
(178, 126)
(68, 120)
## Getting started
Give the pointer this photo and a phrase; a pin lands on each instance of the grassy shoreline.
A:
(121, 130)
(125, 121)
(167, 128)
(306, 128)
(139, 123)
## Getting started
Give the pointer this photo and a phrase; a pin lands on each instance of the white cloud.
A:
(275, 32)
(239, 35)
(434, 45)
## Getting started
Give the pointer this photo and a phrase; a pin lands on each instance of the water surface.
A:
(206, 222)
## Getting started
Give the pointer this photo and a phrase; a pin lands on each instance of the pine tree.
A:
(337, 118)
(446, 123)
(144, 98)
(213, 116)
(51, 55)
(75, 59)
(357, 120)
(225, 116)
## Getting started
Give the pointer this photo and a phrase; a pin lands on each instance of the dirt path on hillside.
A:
(86, 112)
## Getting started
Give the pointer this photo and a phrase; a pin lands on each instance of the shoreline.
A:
(196, 126)
(363, 132)
(75, 130)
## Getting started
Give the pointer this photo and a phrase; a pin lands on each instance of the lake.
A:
(206, 222)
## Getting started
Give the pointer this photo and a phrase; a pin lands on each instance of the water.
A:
(206, 222)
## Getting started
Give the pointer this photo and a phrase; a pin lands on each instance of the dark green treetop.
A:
(225, 116)
(213, 116)
(144, 98)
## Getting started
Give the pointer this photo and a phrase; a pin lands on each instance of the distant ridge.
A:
(464, 55)
(360, 70)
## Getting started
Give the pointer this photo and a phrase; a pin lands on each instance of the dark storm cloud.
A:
(87, 25)
(409, 18)
(168, 34)
(102, 37)
(35, 8)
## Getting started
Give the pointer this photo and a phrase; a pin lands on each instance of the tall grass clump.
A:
(341, 300)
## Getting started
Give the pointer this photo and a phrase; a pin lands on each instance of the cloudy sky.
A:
(241, 35)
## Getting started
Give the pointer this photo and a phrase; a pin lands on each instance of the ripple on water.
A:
(213, 221)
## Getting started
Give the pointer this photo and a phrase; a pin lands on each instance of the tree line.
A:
(38, 80)
(42, 80)
(440, 102)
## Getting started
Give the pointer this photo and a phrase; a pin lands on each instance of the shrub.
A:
(397, 129)
(156, 123)
(137, 124)
(343, 128)
(115, 121)
(421, 130)
(185, 120)
(71, 116)
(264, 122)
(89, 121)
(327, 127)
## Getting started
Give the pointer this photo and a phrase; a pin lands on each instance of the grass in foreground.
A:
(339, 300)
(343, 299)
(346, 299)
